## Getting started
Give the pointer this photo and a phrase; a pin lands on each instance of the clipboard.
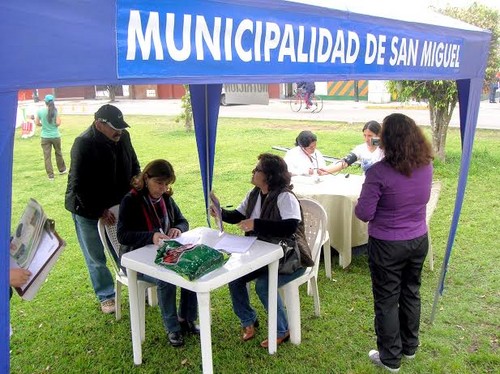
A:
(47, 253)
(218, 219)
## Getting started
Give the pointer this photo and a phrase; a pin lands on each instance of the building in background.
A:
(362, 90)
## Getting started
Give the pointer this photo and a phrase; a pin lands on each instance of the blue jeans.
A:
(188, 305)
(93, 252)
(241, 299)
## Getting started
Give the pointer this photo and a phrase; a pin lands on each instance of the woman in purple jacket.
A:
(393, 202)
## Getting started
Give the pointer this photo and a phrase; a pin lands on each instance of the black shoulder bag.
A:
(290, 262)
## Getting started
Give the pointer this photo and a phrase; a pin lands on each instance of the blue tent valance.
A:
(206, 43)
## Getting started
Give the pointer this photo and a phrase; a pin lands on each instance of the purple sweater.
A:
(393, 204)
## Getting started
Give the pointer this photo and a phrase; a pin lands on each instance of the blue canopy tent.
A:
(209, 42)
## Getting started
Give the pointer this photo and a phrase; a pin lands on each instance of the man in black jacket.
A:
(103, 163)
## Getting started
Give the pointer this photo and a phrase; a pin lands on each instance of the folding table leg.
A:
(135, 319)
(205, 331)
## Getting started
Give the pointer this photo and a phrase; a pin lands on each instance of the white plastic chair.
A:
(315, 219)
(431, 207)
(108, 235)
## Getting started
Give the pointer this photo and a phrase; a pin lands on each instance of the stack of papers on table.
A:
(235, 243)
(227, 242)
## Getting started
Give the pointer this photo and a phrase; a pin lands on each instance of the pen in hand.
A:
(163, 233)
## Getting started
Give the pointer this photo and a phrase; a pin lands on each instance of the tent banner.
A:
(193, 38)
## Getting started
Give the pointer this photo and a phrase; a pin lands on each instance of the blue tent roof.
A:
(66, 43)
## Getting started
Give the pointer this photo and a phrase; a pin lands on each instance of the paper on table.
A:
(228, 242)
(187, 239)
(235, 243)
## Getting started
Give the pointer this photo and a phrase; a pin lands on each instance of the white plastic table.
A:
(339, 196)
(259, 255)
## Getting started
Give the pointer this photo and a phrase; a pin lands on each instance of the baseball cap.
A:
(112, 116)
(49, 98)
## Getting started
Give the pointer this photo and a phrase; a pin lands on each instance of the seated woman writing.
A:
(305, 159)
(271, 212)
(366, 153)
(148, 214)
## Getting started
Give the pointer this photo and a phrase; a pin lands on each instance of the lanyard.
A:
(312, 158)
(161, 222)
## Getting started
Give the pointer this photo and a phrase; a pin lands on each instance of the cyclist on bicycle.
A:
(308, 89)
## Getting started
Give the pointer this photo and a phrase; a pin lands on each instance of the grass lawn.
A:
(63, 331)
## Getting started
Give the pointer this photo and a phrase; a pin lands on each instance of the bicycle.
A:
(298, 100)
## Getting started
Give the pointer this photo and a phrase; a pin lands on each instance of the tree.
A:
(486, 18)
(112, 92)
(187, 111)
(442, 96)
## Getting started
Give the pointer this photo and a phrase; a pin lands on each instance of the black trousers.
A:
(396, 269)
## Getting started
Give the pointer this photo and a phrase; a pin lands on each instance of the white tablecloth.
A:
(338, 195)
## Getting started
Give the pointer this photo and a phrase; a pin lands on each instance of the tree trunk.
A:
(112, 93)
(188, 124)
(188, 110)
(440, 117)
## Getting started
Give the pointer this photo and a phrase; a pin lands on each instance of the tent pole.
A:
(469, 93)
(8, 102)
(207, 155)
(437, 293)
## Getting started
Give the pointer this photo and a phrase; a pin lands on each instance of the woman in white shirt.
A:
(366, 153)
(304, 159)
(272, 213)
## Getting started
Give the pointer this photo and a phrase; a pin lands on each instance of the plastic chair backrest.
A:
(315, 219)
(108, 234)
(433, 200)
(111, 230)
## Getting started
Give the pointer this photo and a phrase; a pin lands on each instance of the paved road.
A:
(352, 112)
(342, 111)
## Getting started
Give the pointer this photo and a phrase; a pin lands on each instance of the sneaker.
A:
(65, 171)
(108, 306)
(409, 357)
(375, 358)
(189, 327)
(175, 338)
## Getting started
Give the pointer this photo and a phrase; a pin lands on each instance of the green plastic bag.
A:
(190, 260)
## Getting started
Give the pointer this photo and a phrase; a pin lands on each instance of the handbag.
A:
(290, 262)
